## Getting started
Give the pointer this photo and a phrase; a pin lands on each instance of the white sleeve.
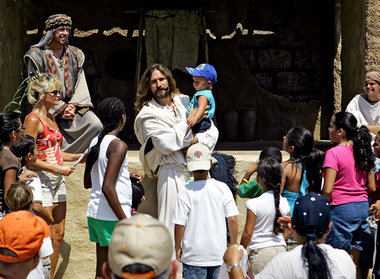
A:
(46, 248)
(230, 208)
(209, 137)
(182, 209)
(353, 107)
(251, 205)
(168, 140)
(284, 206)
(36, 187)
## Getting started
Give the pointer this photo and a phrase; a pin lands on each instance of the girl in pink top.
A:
(349, 177)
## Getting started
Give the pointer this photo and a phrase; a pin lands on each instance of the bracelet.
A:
(229, 268)
(245, 180)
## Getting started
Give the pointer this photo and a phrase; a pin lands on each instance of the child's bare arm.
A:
(200, 111)
(248, 228)
(178, 235)
(251, 169)
(330, 176)
(43, 213)
(371, 183)
(233, 228)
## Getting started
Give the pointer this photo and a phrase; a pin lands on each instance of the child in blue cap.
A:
(204, 77)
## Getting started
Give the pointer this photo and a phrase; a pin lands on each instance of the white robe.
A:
(365, 113)
(169, 134)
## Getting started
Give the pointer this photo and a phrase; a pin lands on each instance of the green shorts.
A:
(100, 230)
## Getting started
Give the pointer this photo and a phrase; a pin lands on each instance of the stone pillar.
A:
(353, 24)
(372, 40)
(11, 48)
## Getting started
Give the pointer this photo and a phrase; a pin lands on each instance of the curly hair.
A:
(144, 94)
(40, 83)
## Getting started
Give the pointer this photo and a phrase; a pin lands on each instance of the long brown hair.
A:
(144, 94)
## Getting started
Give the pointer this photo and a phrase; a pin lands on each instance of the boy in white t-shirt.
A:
(199, 218)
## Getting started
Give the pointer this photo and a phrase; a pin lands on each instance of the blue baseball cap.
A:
(204, 70)
(311, 215)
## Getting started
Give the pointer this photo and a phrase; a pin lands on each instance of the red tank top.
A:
(49, 144)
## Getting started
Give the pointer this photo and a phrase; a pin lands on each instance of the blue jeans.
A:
(201, 126)
(200, 272)
(350, 228)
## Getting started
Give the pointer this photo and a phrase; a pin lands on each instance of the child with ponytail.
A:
(262, 233)
(349, 177)
(302, 173)
(107, 174)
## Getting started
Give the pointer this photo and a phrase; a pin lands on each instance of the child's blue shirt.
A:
(210, 102)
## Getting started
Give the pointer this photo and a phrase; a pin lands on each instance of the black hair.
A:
(314, 163)
(9, 122)
(271, 172)
(271, 152)
(315, 258)
(23, 147)
(137, 193)
(312, 159)
(138, 268)
(363, 153)
(109, 111)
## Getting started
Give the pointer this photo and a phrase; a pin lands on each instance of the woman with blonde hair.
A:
(43, 93)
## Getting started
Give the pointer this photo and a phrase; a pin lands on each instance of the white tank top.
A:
(98, 206)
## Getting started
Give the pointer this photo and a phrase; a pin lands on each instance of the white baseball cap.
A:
(198, 157)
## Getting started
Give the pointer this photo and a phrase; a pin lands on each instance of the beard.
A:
(161, 92)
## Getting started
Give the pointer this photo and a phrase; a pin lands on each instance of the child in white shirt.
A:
(199, 218)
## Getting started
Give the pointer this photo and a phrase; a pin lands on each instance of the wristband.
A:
(245, 180)
(231, 267)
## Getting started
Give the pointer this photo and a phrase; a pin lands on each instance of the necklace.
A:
(63, 64)
(174, 109)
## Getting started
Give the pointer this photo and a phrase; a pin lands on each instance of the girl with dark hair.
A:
(251, 189)
(302, 172)
(349, 177)
(107, 174)
(10, 133)
(312, 258)
(138, 195)
(262, 233)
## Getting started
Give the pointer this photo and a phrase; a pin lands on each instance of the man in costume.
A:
(161, 129)
(366, 107)
(77, 122)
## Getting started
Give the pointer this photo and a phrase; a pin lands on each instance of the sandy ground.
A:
(78, 253)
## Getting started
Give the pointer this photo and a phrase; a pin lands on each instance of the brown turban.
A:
(372, 76)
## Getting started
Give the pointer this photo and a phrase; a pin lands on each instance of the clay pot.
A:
(231, 120)
(248, 124)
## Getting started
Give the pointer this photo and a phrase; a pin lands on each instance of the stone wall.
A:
(11, 48)
(295, 76)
